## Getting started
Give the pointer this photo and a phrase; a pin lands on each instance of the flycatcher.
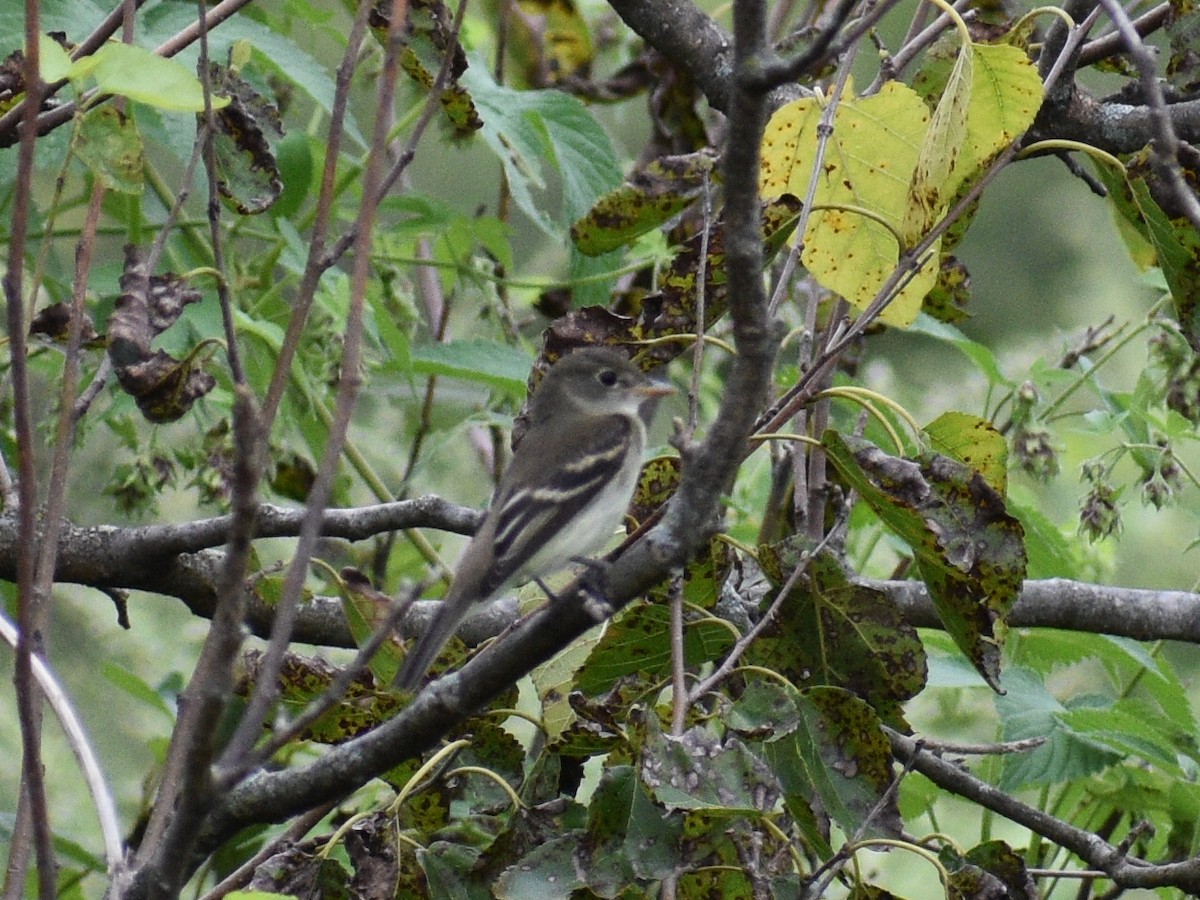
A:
(564, 493)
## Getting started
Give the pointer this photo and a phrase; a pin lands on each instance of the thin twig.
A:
(81, 747)
(28, 696)
(679, 693)
(242, 875)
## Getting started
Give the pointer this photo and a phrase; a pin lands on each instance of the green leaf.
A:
(428, 40)
(55, 62)
(295, 158)
(1126, 729)
(1051, 553)
(1000, 861)
(607, 865)
(135, 687)
(969, 550)
(651, 837)
(109, 144)
(636, 641)
(765, 710)
(649, 198)
(628, 839)
(278, 53)
(247, 173)
(141, 75)
(979, 354)
(486, 362)
(973, 441)
(1175, 241)
(74, 18)
(528, 130)
(303, 679)
(938, 169)
(697, 770)
(1006, 94)
(365, 609)
(1028, 710)
(545, 873)
(840, 757)
(833, 632)
(555, 43)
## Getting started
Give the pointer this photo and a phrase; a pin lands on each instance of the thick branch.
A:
(688, 38)
(1139, 613)
(1114, 127)
(108, 556)
(174, 560)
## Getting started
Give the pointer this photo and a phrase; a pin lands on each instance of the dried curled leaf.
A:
(165, 388)
(429, 39)
(54, 322)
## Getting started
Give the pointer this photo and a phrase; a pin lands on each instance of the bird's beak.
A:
(655, 389)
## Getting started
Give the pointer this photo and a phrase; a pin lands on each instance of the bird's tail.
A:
(429, 645)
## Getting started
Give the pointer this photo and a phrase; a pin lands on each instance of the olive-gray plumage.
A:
(564, 493)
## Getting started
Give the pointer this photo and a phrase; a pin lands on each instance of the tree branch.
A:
(1096, 852)
(689, 39)
(1138, 613)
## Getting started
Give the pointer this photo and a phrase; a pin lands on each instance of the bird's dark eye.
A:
(608, 377)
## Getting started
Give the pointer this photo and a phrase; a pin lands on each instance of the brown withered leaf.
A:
(54, 322)
(12, 76)
(165, 388)
(672, 310)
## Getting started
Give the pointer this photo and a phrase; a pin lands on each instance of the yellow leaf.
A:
(1006, 94)
(862, 190)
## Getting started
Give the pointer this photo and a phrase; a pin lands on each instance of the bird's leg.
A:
(594, 584)
(546, 590)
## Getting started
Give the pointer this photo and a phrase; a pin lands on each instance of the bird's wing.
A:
(530, 517)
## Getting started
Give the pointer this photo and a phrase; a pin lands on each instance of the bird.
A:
(563, 494)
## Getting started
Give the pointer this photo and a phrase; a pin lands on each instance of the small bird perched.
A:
(564, 493)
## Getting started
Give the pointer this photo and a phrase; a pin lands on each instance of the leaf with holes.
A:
(969, 550)
(832, 632)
